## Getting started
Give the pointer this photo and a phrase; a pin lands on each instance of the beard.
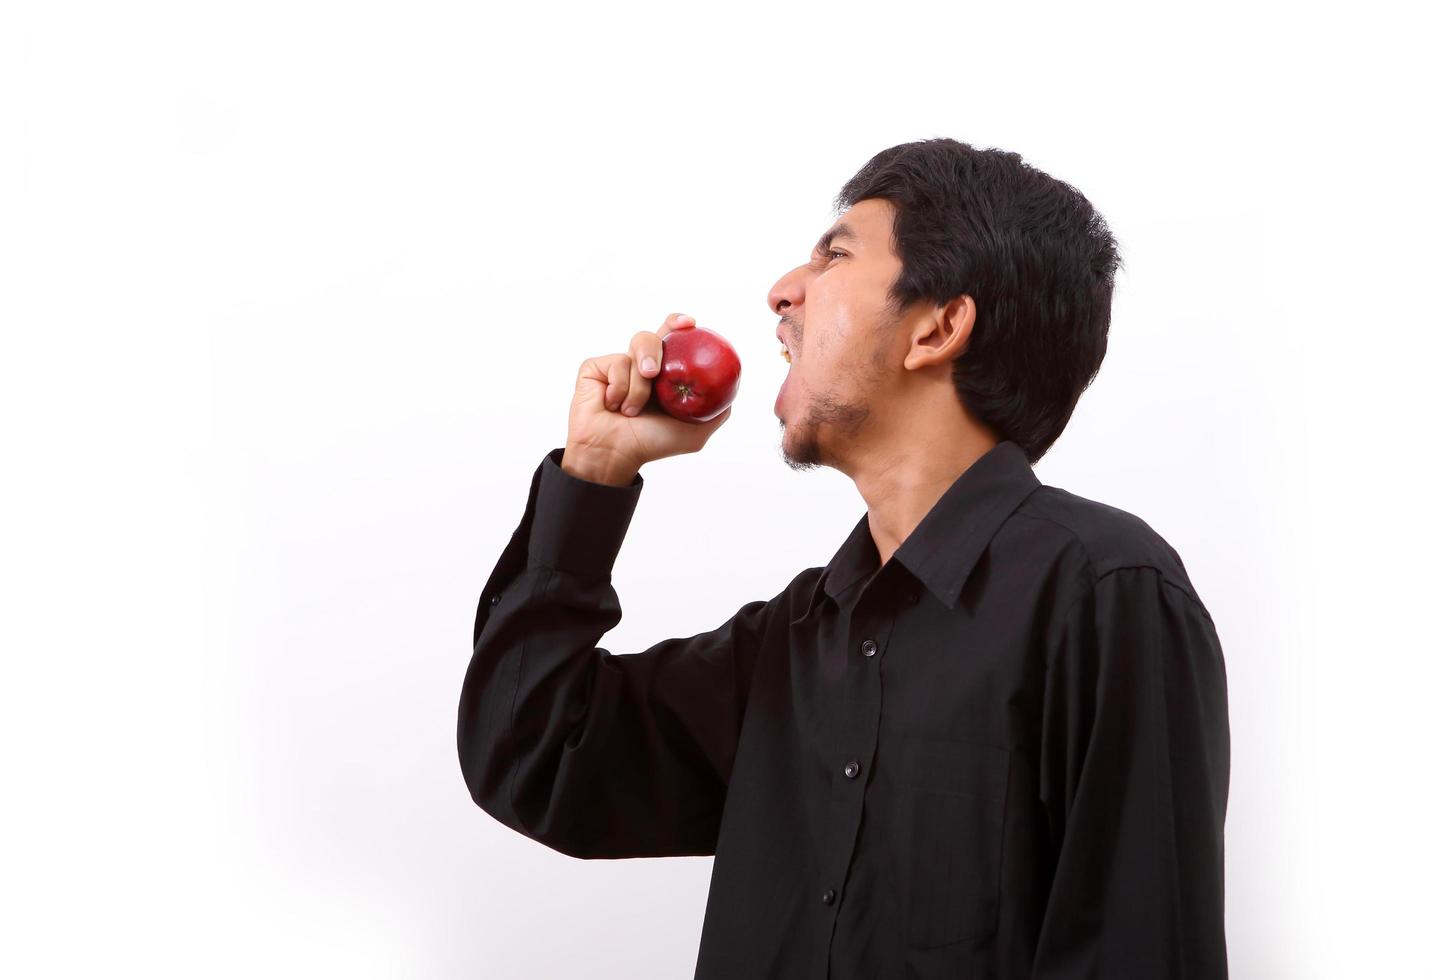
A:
(822, 426)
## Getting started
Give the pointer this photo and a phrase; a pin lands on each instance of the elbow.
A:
(481, 755)
(505, 791)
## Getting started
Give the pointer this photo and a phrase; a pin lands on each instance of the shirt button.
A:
(913, 598)
(868, 648)
(852, 768)
(827, 896)
(495, 597)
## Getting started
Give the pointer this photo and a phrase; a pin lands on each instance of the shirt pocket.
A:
(949, 837)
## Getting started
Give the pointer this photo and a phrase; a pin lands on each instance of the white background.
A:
(294, 295)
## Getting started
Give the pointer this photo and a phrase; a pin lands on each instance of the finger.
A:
(677, 321)
(618, 381)
(646, 354)
(593, 376)
(638, 389)
(647, 349)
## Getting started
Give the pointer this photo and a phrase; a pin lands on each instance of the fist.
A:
(613, 429)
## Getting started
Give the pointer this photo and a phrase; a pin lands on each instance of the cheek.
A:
(833, 324)
(840, 340)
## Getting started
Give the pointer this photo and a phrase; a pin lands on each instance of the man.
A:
(989, 738)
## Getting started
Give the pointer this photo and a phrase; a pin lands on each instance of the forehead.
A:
(865, 223)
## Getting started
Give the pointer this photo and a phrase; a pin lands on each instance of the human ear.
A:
(946, 334)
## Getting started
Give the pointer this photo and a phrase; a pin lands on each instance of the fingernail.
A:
(629, 410)
(648, 364)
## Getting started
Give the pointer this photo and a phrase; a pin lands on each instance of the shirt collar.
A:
(949, 540)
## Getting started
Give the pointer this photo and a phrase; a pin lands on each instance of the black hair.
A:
(1031, 251)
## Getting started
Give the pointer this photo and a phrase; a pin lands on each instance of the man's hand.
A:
(609, 436)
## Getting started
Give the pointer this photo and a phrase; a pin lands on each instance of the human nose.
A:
(788, 291)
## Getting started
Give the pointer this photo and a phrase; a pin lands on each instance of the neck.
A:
(902, 480)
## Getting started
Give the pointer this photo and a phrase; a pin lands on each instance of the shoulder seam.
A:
(1163, 576)
(1163, 579)
(1062, 620)
(1088, 559)
(1045, 517)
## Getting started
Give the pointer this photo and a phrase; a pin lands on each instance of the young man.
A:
(989, 738)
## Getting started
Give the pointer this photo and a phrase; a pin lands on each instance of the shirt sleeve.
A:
(1133, 778)
(594, 754)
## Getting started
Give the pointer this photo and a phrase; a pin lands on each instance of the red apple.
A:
(699, 374)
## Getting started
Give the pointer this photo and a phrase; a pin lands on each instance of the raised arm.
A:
(594, 754)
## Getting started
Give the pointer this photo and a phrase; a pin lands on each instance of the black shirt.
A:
(1004, 753)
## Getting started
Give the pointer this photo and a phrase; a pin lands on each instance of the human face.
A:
(835, 322)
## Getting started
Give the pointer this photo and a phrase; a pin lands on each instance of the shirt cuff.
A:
(578, 526)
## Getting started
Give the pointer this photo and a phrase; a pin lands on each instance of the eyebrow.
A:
(841, 230)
